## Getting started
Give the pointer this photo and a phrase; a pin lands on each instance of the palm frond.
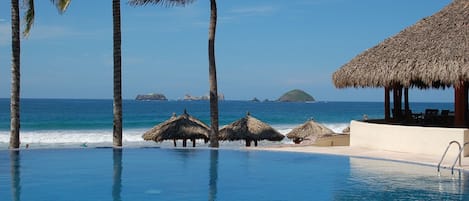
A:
(164, 3)
(61, 5)
(29, 16)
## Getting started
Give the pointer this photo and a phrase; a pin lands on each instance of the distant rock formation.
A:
(255, 100)
(153, 96)
(189, 97)
(296, 96)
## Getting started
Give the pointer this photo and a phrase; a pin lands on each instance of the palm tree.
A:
(212, 73)
(117, 104)
(211, 58)
(15, 76)
(15, 64)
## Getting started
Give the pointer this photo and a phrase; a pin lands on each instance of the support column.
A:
(466, 106)
(395, 102)
(406, 102)
(399, 102)
(460, 105)
(387, 105)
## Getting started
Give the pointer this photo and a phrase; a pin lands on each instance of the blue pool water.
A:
(203, 174)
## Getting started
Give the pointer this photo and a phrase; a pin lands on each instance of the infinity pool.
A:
(202, 174)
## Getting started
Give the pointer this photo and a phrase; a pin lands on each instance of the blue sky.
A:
(263, 48)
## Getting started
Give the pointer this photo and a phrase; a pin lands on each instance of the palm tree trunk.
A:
(213, 75)
(117, 105)
(15, 76)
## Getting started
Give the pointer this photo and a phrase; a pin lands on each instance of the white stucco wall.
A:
(411, 139)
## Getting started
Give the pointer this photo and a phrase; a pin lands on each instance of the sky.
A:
(264, 48)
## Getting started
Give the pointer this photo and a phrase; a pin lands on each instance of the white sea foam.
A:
(131, 138)
(336, 127)
(73, 138)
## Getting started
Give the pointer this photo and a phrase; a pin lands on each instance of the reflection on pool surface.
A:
(202, 174)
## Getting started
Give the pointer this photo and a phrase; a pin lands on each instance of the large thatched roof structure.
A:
(182, 127)
(250, 129)
(310, 130)
(434, 52)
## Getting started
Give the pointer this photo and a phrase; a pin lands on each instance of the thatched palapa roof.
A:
(249, 128)
(310, 130)
(182, 127)
(434, 52)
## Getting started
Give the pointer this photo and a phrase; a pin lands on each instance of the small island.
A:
(151, 97)
(189, 97)
(296, 95)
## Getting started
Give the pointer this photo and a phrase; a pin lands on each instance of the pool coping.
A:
(427, 160)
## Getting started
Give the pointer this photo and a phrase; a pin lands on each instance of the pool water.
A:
(204, 174)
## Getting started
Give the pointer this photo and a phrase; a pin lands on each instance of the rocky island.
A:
(151, 97)
(189, 97)
(296, 95)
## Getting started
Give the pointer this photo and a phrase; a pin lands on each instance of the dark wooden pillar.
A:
(174, 142)
(387, 105)
(406, 102)
(248, 143)
(184, 143)
(460, 104)
(466, 106)
(193, 142)
(397, 102)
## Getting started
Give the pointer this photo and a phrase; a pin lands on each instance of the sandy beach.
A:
(431, 160)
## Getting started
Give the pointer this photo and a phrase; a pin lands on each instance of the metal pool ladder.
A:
(458, 157)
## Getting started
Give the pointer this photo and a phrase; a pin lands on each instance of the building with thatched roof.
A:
(433, 53)
(183, 127)
(309, 131)
(249, 129)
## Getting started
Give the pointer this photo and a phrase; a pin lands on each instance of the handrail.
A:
(444, 154)
(460, 151)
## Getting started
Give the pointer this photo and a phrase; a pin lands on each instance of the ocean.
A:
(58, 123)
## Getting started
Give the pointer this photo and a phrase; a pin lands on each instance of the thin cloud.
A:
(253, 11)
(2, 20)
(42, 32)
(5, 34)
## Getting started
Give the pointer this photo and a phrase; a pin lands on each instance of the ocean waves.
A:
(103, 138)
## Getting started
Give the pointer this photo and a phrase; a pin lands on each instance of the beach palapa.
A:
(432, 53)
(182, 127)
(249, 129)
(310, 130)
